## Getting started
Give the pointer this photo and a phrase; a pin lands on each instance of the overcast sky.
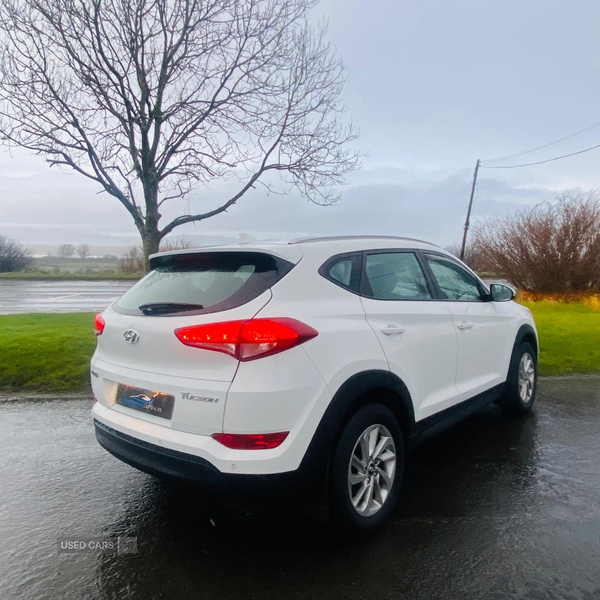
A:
(434, 85)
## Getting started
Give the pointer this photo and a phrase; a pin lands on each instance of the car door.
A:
(415, 330)
(483, 328)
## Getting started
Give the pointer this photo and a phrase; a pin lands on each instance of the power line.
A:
(559, 142)
(541, 162)
(548, 146)
(545, 147)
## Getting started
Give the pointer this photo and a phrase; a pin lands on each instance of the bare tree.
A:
(152, 99)
(132, 261)
(551, 248)
(179, 243)
(65, 250)
(473, 256)
(83, 251)
(13, 257)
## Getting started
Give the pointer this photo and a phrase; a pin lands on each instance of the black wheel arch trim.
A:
(360, 386)
(347, 399)
(524, 333)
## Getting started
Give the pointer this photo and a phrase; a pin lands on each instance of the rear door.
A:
(415, 330)
(485, 336)
(139, 349)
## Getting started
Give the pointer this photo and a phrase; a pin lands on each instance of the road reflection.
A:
(493, 508)
(192, 546)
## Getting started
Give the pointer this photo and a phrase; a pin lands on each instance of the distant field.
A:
(52, 267)
(51, 352)
(55, 264)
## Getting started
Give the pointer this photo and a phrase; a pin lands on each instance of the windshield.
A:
(202, 282)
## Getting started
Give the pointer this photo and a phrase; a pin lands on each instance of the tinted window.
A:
(343, 270)
(207, 282)
(454, 282)
(396, 276)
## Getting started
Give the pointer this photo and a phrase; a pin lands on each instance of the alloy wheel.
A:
(372, 470)
(526, 377)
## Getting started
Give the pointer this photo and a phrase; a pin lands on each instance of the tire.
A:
(521, 384)
(372, 425)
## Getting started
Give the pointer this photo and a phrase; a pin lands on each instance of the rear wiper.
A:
(168, 307)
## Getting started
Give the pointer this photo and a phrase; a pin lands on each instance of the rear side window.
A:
(344, 270)
(341, 271)
(202, 283)
(395, 276)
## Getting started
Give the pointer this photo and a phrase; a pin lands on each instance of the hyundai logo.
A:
(131, 336)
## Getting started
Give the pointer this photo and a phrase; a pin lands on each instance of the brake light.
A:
(247, 340)
(99, 324)
(251, 441)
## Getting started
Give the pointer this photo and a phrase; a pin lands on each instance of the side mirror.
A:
(501, 293)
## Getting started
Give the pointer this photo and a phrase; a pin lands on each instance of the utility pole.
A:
(468, 220)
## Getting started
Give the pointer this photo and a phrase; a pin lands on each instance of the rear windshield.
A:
(202, 283)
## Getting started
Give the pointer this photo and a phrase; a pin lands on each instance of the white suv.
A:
(308, 366)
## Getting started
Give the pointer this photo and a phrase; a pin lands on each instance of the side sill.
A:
(441, 421)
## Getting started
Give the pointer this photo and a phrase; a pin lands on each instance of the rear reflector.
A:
(247, 340)
(99, 324)
(250, 441)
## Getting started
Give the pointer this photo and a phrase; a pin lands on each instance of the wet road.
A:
(20, 296)
(492, 509)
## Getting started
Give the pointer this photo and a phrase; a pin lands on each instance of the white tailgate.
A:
(159, 351)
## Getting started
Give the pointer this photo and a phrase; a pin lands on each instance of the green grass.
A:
(51, 352)
(569, 337)
(46, 352)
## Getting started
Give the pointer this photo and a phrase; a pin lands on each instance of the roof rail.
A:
(332, 238)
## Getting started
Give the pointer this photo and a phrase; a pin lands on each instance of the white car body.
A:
(438, 356)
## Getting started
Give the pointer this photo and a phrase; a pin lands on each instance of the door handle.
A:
(463, 326)
(391, 330)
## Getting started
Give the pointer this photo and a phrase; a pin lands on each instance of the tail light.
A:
(251, 441)
(99, 324)
(247, 340)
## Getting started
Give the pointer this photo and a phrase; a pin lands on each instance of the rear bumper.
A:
(262, 400)
(160, 461)
(154, 459)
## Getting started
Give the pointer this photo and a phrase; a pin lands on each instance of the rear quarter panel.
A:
(292, 390)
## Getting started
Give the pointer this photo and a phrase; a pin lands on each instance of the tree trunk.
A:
(150, 232)
(150, 245)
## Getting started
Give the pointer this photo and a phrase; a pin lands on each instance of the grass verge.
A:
(569, 337)
(46, 352)
(51, 352)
